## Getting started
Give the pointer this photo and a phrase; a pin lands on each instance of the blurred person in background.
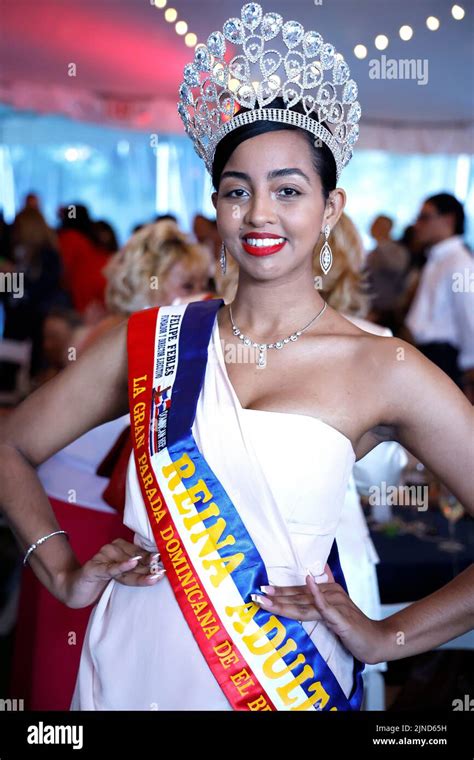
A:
(156, 266)
(441, 316)
(166, 218)
(105, 236)
(387, 267)
(36, 258)
(84, 261)
(417, 252)
(416, 249)
(32, 201)
(5, 248)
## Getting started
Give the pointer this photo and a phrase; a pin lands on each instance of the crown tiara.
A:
(311, 72)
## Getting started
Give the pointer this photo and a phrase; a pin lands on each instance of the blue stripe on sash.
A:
(196, 328)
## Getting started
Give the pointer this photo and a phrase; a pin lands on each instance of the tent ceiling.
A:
(125, 47)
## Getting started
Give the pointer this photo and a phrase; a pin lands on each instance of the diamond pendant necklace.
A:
(262, 347)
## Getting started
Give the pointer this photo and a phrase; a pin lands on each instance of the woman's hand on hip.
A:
(328, 602)
(295, 602)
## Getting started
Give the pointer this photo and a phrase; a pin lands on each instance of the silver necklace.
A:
(262, 347)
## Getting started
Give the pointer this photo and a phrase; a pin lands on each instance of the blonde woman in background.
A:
(157, 265)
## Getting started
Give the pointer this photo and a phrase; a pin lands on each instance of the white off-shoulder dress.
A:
(287, 475)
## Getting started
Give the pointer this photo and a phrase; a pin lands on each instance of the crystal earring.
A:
(325, 257)
(223, 259)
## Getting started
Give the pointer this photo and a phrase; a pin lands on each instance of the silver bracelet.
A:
(40, 541)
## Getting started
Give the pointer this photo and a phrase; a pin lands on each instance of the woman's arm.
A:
(434, 620)
(89, 392)
(430, 416)
(420, 627)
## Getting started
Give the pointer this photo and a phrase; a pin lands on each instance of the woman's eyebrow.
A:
(285, 172)
(271, 175)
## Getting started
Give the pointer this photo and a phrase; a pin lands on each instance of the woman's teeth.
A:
(264, 242)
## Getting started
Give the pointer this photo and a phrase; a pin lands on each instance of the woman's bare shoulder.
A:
(383, 356)
(404, 380)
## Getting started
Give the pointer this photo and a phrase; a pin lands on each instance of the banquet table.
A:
(412, 564)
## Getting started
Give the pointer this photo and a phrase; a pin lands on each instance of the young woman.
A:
(239, 469)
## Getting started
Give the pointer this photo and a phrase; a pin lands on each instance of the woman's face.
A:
(269, 186)
(181, 281)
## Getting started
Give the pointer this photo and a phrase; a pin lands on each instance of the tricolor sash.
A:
(260, 660)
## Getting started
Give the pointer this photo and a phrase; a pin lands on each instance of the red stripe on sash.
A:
(233, 674)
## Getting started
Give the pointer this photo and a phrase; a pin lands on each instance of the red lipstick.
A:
(260, 250)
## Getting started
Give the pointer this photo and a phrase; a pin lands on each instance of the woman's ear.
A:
(214, 199)
(334, 207)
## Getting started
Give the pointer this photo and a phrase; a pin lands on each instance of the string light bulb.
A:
(406, 32)
(171, 14)
(190, 39)
(457, 12)
(181, 27)
(360, 51)
(381, 41)
(432, 23)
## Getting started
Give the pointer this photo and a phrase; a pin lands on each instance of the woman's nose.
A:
(260, 209)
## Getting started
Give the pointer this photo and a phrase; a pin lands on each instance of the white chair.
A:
(19, 353)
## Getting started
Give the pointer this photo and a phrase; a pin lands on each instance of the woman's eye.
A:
(291, 194)
(292, 190)
(238, 190)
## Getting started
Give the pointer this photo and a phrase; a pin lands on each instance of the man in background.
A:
(441, 317)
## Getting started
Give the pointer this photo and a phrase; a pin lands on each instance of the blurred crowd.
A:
(63, 287)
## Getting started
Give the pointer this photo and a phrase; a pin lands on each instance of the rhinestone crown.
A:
(305, 68)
